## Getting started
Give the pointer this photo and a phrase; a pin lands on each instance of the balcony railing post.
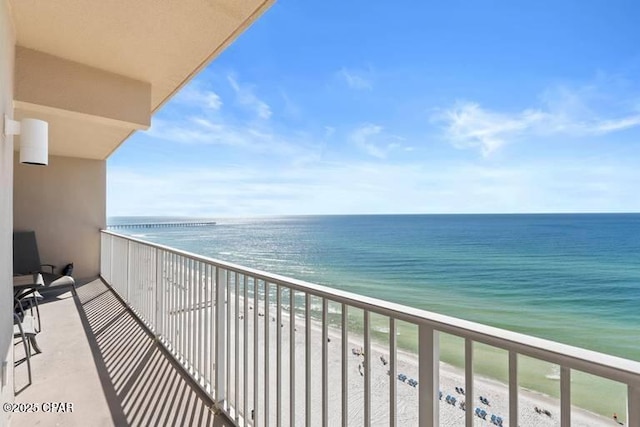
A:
(565, 396)
(128, 277)
(111, 263)
(513, 388)
(159, 288)
(468, 381)
(429, 360)
(633, 405)
(221, 351)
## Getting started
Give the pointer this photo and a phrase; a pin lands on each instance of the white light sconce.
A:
(34, 139)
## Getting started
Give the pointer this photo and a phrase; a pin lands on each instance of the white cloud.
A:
(607, 126)
(295, 147)
(213, 101)
(563, 112)
(232, 128)
(468, 125)
(372, 140)
(196, 130)
(196, 96)
(246, 97)
(355, 79)
(587, 185)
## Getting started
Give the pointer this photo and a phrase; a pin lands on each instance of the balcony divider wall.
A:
(7, 49)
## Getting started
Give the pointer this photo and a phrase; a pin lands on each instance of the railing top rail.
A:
(596, 363)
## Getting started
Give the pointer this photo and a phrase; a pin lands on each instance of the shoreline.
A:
(450, 378)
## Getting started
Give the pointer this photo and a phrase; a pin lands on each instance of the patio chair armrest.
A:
(24, 293)
(17, 304)
(51, 266)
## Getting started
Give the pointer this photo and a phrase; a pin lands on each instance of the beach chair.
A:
(493, 419)
(477, 412)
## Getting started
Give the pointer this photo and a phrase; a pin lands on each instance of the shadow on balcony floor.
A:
(98, 357)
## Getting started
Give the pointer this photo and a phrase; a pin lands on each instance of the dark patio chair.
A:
(26, 260)
(28, 298)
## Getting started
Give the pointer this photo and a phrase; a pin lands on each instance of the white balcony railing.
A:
(220, 321)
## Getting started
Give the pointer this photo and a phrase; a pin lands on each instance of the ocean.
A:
(572, 278)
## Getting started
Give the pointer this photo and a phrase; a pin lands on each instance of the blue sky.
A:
(401, 107)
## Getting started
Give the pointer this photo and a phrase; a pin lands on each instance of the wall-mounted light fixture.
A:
(34, 139)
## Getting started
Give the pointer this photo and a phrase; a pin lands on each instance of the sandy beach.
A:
(450, 379)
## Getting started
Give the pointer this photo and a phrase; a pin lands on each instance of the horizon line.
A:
(373, 214)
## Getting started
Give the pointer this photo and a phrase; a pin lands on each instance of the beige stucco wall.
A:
(7, 46)
(46, 82)
(65, 203)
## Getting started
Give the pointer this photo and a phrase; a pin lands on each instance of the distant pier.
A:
(164, 224)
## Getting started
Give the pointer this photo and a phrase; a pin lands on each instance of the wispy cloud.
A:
(246, 97)
(357, 80)
(468, 125)
(196, 130)
(197, 118)
(196, 96)
(372, 140)
(623, 123)
(295, 147)
(563, 112)
(587, 185)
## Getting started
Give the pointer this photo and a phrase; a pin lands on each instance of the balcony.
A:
(98, 357)
(178, 338)
(199, 336)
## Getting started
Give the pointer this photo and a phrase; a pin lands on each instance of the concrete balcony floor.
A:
(97, 356)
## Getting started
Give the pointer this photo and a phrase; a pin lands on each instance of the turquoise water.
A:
(569, 278)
